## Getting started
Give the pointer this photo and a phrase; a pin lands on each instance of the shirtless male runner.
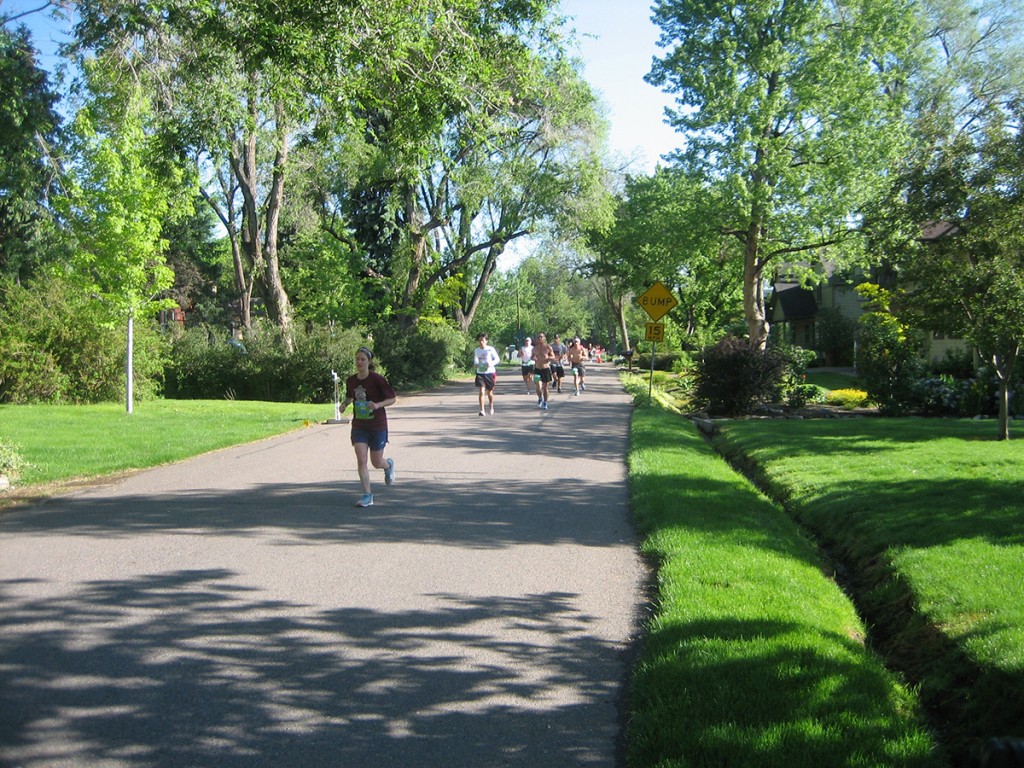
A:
(542, 357)
(577, 355)
(557, 369)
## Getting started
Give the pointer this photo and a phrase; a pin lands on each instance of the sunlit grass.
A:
(65, 442)
(926, 513)
(754, 657)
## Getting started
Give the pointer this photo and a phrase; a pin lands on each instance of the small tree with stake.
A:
(116, 205)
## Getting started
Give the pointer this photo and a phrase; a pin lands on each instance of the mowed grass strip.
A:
(927, 514)
(64, 442)
(753, 656)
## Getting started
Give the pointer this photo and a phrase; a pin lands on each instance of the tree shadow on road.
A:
(207, 673)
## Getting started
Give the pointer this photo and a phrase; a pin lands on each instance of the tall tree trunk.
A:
(243, 284)
(1004, 365)
(620, 317)
(408, 304)
(753, 288)
(617, 304)
(129, 364)
(226, 214)
(278, 303)
(753, 260)
(261, 244)
(465, 317)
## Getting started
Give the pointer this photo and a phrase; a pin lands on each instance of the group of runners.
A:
(370, 394)
(543, 366)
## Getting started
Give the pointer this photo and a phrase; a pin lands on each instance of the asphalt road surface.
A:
(236, 610)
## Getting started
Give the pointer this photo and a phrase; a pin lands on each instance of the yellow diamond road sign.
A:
(656, 301)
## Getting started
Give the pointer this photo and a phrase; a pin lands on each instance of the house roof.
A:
(936, 230)
(795, 302)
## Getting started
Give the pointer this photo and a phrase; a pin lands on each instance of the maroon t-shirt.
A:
(374, 388)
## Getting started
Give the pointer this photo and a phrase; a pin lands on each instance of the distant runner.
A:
(542, 356)
(485, 358)
(557, 369)
(526, 359)
(577, 355)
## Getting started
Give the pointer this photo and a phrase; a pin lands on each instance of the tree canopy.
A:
(29, 125)
(794, 110)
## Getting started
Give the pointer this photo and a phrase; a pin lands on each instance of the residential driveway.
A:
(237, 610)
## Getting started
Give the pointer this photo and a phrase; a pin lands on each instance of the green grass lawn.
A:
(65, 442)
(926, 516)
(833, 380)
(754, 656)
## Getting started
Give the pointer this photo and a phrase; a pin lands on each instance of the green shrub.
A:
(889, 355)
(834, 333)
(56, 346)
(11, 462)
(208, 364)
(805, 394)
(29, 374)
(957, 364)
(424, 355)
(663, 361)
(732, 379)
(941, 395)
(318, 351)
(684, 363)
(978, 395)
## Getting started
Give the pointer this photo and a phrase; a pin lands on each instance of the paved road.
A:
(237, 610)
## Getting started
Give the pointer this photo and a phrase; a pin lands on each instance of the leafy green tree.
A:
(969, 282)
(497, 316)
(116, 204)
(29, 126)
(387, 86)
(792, 109)
(196, 257)
(554, 308)
(961, 185)
(510, 153)
(528, 181)
(665, 230)
(234, 83)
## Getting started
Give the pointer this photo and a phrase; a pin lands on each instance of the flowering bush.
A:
(942, 395)
(847, 398)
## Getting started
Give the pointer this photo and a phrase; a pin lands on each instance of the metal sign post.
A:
(655, 332)
(337, 400)
(656, 301)
(650, 381)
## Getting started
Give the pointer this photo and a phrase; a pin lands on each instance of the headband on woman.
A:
(366, 351)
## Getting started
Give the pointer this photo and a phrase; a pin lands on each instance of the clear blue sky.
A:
(46, 33)
(617, 43)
